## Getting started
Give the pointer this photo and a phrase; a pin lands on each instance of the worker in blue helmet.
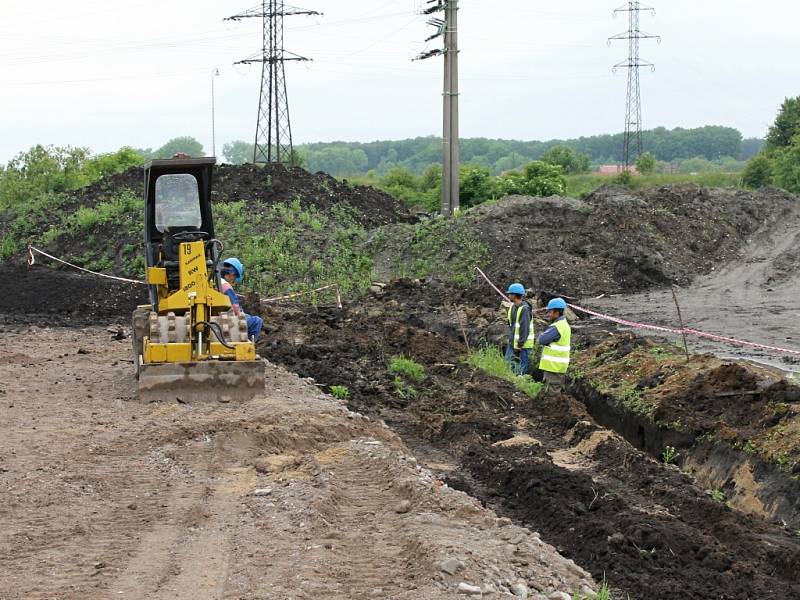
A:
(520, 329)
(232, 272)
(555, 342)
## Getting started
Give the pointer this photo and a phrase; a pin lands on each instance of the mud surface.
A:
(102, 496)
(644, 525)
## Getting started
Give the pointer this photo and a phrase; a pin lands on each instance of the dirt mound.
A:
(47, 297)
(262, 186)
(615, 240)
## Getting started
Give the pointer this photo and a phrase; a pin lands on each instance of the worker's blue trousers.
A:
(254, 325)
(520, 366)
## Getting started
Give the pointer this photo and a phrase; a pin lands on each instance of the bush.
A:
(536, 179)
(757, 173)
(786, 167)
(646, 163)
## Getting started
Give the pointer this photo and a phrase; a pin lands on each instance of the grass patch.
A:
(491, 361)
(401, 365)
(579, 186)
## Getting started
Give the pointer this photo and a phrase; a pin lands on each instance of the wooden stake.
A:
(463, 331)
(680, 320)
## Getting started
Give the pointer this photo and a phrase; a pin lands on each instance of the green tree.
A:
(758, 172)
(476, 185)
(42, 170)
(786, 126)
(536, 179)
(432, 177)
(185, 144)
(786, 166)
(109, 163)
(567, 159)
(646, 163)
(238, 152)
(336, 159)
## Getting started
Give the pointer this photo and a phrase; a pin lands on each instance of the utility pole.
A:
(447, 28)
(632, 142)
(273, 141)
(214, 73)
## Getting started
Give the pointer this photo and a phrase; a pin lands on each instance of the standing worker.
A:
(232, 272)
(520, 331)
(555, 343)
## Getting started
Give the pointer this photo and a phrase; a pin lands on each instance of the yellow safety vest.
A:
(555, 356)
(529, 342)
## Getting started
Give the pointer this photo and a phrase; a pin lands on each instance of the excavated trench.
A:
(749, 483)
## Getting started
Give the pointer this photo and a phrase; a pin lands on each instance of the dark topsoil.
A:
(645, 526)
(263, 186)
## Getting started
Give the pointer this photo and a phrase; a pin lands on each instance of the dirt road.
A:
(755, 298)
(287, 496)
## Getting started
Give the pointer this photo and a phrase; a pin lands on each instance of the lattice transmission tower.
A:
(273, 142)
(632, 142)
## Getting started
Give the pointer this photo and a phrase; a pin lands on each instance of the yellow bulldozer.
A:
(188, 344)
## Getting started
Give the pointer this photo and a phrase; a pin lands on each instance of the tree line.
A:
(720, 148)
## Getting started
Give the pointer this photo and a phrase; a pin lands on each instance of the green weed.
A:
(8, 246)
(490, 360)
(669, 455)
(604, 593)
(340, 391)
(400, 365)
(717, 495)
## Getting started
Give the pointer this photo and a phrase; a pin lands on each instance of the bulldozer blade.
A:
(202, 381)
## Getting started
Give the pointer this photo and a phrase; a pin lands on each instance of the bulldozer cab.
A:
(177, 199)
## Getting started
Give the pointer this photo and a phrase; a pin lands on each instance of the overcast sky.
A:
(108, 73)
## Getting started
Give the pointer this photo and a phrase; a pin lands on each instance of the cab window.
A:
(177, 202)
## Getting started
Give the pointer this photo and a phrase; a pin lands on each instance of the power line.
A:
(633, 101)
(448, 29)
(273, 141)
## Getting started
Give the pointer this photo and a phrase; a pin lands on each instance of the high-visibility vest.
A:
(555, 356)
(529, 342)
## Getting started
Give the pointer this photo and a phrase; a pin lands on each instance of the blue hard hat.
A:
(237, 266)
(516, 288)
(556, 304)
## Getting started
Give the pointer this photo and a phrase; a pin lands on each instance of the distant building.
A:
(615, 169)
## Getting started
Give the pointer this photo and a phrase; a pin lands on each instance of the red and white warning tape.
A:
(670, 330)
(303, 293)
(32, 261)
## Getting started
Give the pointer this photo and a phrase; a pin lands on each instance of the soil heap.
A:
(263, 186)
(615, 240)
